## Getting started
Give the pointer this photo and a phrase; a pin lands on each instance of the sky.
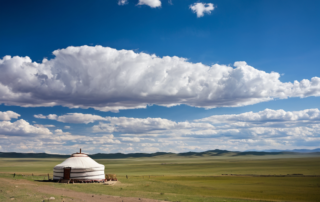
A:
(147, 76)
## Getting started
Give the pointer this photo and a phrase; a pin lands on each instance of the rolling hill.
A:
(215, 152)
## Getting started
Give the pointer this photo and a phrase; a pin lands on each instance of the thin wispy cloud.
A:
(44, 126)
(72, 118)
(122, 2)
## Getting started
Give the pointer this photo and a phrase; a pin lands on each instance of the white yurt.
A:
(79, 167)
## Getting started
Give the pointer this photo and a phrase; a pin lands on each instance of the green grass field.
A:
(194, 178)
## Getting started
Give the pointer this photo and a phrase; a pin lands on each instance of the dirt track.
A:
(35, 192)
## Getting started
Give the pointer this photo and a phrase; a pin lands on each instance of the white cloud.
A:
(267, 129)
(67, 127)
(264, 129)
(21, 128)
(266, 123)
(60, 132)
(133, 125)
(151, 3)
(108, 80)
(39, 116)
(8, 115)
(58, 143)
(267, 116)
(73, 118)
(122, 2)
(52, 116)
(105, 140)
(123, 124)
(167, 135)
(130, 139)
(201, 8)
(63, 137)
(44, 126)
(78, 118)
(154, 126)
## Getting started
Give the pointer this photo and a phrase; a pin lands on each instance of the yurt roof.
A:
(79, 161)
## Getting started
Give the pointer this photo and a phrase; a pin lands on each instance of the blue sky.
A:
(159, 75)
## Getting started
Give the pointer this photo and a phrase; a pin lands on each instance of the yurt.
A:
(79, 168)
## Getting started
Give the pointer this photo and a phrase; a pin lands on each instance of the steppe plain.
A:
(208, 177)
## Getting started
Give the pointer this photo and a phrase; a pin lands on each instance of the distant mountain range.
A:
(294, 150)
(215, 152)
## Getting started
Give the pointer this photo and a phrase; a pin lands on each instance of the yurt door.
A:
(66, 174)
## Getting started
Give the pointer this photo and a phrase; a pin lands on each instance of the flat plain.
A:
(282, 177)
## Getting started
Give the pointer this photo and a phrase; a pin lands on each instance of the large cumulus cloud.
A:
(108, 80)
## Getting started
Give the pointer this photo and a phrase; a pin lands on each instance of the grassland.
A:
(195, 178)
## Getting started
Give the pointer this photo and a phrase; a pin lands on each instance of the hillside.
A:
(215, 152)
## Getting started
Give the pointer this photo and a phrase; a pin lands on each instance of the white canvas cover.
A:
(84, 174)
(82, 167)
